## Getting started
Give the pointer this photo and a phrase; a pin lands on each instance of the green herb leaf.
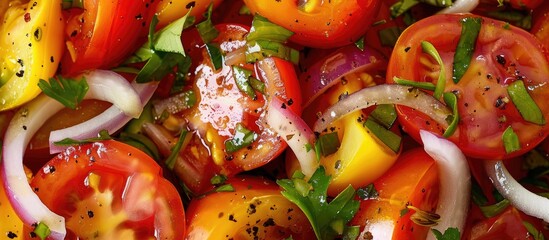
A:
(241, 77)
(215, 55)
(495, 209)
(206, 28)
(103, 135)
(387, 137)
(421, 85)
(141, 142)
(263, 29)
(225, 188)
(257, 85)
(510, 140)
(218, 179)
(267, 39)
(470, 28)
(368, 192)
(404, 5)
(170, 161)
(451, 100)
(69, 92)
(42, 230)
(243, 137)
(428, 48)
(327, 218)
(360, 43)
(449, 234)
(327, 143)
(384, 114)
(526, 106)
(537, 234)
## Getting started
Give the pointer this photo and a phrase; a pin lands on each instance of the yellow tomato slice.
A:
(31, 43)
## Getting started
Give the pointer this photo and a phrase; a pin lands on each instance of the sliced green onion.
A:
(243, 137)
(451, 100)
(526, 106)
(494, 209)
(218, 179)
(536, 234)
(103, 135)
(327, 144)
(402, 6)
(215, 55)
(225, 188)
(470, 28)
(263, 29)
(206, 28)
(385, 114)
(170, 161)
(351, 232)
(260, 49)
(389, 138)
(428, 48)
(368, 192)
(257, 85)
(510, 140)
(241, 77)
(42, 230)
(360, 43)
(421, 85)
(69, 92)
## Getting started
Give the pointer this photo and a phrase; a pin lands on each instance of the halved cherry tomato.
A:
(31, 45)
(221, 106)
(255, 210)
(411, 182)
(170, 10)
(104, 33)
(321, 24)
(110, 190)
(503, 54)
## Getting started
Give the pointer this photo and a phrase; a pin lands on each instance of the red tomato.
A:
(104, 33)
(110, 190)
(255, 210)
(507, 225)
(321, 24)
(412, 181)
(503, 55)
(540, 24)
(221, 106)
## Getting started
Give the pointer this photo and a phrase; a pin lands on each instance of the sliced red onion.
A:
(385, 94)
(460, 6)
(520, 197)
(455, 181)
(297, 134)
(30, 118)
(324, 74)
(111, 119)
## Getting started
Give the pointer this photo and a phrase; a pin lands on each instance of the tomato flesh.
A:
(503, 54)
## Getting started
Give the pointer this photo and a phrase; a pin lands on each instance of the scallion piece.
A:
(470, 28)
(536, 234)
(206, 28)
(389, 138)
(218, 179)
(421, 85)
(243, 137)
(510, 140)
(526, 106)
(263, 29)
(368, 192)
(215, 55)
(170, 161)
(260, 49)
(451, 100)
(360, 43)
(257, 85)
(242, 79)
(428, 48)
(385, 114)
(494, 209)
(42, 230)
(327, 144)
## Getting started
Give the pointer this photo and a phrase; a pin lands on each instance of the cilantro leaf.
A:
(449, 234)
(69, 92)
(329, 219)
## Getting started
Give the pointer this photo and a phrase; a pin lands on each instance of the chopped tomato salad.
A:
(274, 119)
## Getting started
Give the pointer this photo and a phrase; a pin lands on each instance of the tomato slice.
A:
(503, 54)
(412, 181)
(221, 107)
(104, 33)
(31, 45)
(110, 190)
(255, 210)
(540, 24)
(321, 24)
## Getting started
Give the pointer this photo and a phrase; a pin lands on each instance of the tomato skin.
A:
(540, 24)
(320, 24)
(170, 10)
(482, 119)
(221, 106)
(110, 189)
(413, 180)
(105, 33)
(256, 204)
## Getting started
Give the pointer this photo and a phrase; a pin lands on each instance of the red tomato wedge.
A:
(110, 190)
(503, 55)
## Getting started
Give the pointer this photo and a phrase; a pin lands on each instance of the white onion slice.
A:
(520, 197)
(460, 6)
(297, 134)
(111, 119)
(385, 94)
(455, 181)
